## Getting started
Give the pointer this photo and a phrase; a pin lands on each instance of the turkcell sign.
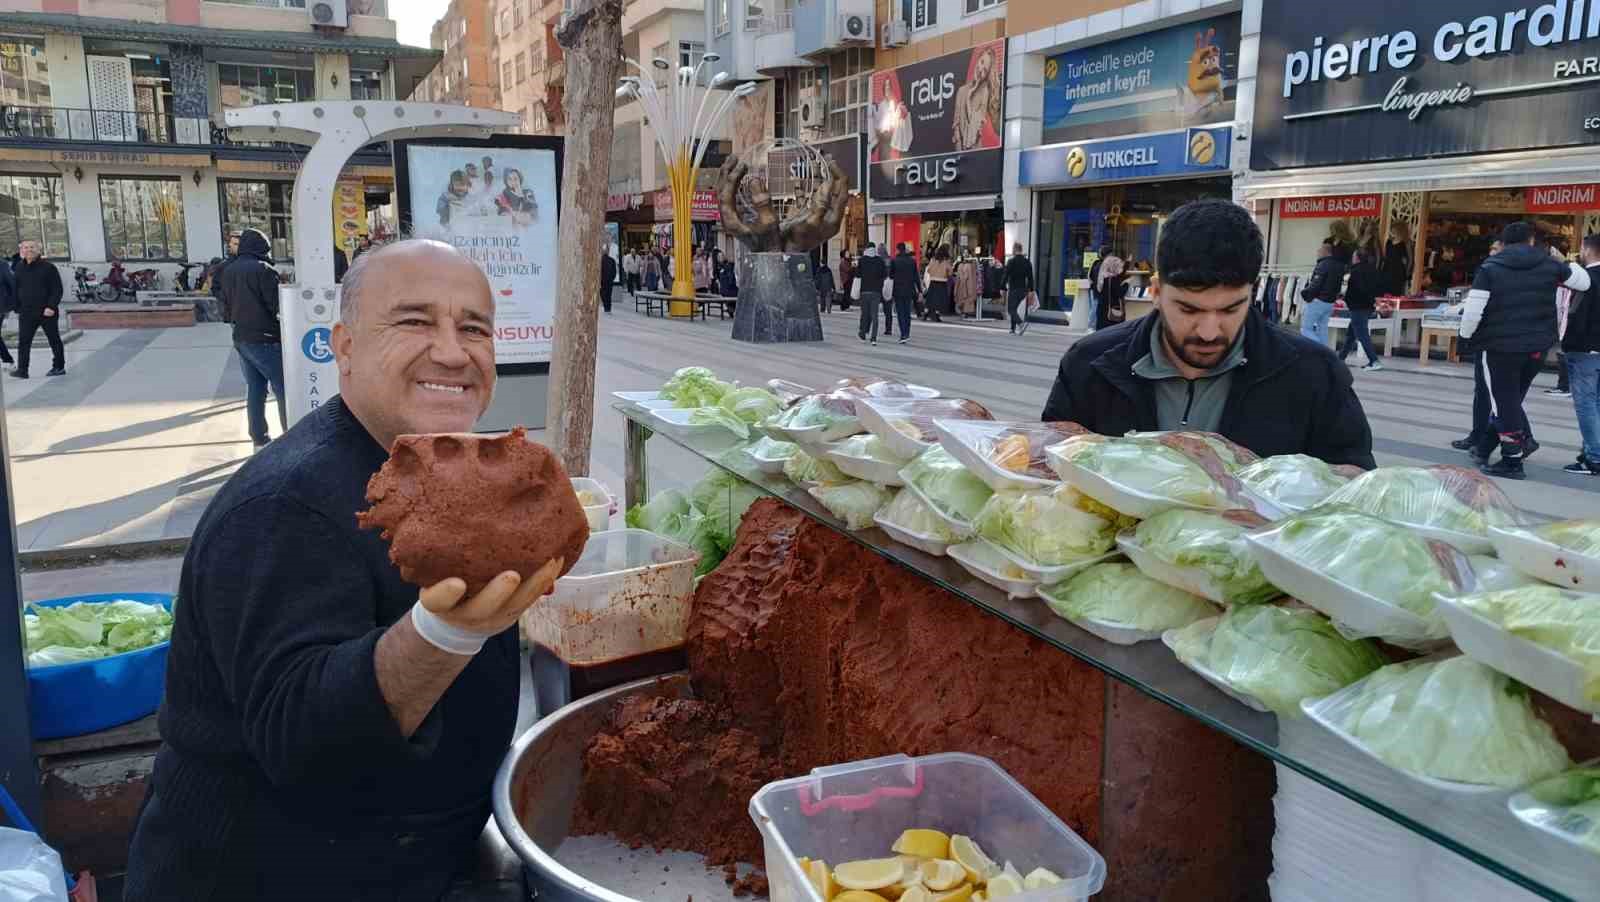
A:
(1191, 151)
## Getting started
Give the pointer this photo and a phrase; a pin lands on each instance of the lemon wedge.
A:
(859, 895)
(1038, 878)
(821, 879)
(923, 844)
(942, 875)
(962, 893)
(965, 852)
(870, 874)
(1003, 885)
(916, 894)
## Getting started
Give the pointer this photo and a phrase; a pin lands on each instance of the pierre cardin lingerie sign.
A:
(1387, 80)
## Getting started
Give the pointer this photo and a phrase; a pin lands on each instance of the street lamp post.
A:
(681, 128)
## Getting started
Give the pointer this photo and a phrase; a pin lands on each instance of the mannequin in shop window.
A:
(1397, 260)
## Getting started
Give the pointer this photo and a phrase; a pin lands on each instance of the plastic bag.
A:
(1567, 623)
(907, 426)
(1014, 449)
(803, 469)
(946, 485)
(912, 514)
(30, 871)
(1117, 593)
(1448, 719)
(1453, 504)
(855, 503)
(1212, 545)
(1050, 527)
(1143, 475)
(1276, 655)
(1295, 482)
(831, 416)
(1567, 804)
(879, 387)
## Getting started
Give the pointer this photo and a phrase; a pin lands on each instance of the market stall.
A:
(1149, 742)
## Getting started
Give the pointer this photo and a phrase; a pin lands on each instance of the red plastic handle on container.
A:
(859, 802)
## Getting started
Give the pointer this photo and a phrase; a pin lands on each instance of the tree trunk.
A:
(591, 36)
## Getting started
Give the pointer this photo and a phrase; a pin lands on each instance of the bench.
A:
(657, 303)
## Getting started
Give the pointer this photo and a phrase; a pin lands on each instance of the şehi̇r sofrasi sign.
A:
(1169, 79)
(935, 126)
(1373, 80)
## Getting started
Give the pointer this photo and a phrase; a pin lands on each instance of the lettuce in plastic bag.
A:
(1450, 719)
(827, 411)
(723, 498)
(1294, 481)
(855, 503)
(1577, 536)
(1574, 797)
(912, 514)
(1116, 592)
(771, 449)
(1050, 527)
(1277, 655)
(803, 469)
(945, 484)
(670, 514)
(1181, 469)
(867, 447)
(1212, 542)
(92, 629)
(1567, 623)
(1440, 497)
(708, 416)
(695, 386)
(751, 405)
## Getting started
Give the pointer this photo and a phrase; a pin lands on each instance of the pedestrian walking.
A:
(870, 273)
(903, 270)
(1361, 296)
(37, 287)
(630, 271)
(608, 278)
(1019, 284)
(1581, 345)
(727, 280)
(1111, 290)
(1092, 318)
(824, 280)
(847, 275)
(250, 291)
(1510, 315)
(1320, 292)
(936, 299)
(8, 304)
(652, 272)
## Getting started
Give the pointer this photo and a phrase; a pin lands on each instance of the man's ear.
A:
(1155, 286)
(343, 345)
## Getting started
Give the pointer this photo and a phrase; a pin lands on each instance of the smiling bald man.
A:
(316, 744)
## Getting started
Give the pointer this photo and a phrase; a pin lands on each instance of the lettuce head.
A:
(723, 498)
(695, 386)
(1050, 527)
(855, 503)
(1213, 543)
(1577, 536)
(88, 630)
(909, 512)
(1443, 497)
(1567, 623)
(803, 469)
(751, 405)
(1152, 467)
(1292, 481)
(947, 485)
(1117, 593)
(671, 514)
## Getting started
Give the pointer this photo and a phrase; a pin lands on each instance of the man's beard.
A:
(1188, 351)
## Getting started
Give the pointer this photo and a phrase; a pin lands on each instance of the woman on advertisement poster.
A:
(977, 119)
(516, 201)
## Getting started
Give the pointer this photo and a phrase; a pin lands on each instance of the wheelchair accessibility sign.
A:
(317, 345)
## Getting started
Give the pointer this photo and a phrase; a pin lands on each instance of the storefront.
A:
(1132, 129)
(259, 194)
(633, 217)
(1422, 139)
(935, 153)
(704, 215)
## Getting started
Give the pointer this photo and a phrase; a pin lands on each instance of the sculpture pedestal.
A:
(777, 299)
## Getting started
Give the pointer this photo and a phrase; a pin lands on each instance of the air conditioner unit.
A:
(813, 110)
(896, 33)
(329, 13)
(856, 28)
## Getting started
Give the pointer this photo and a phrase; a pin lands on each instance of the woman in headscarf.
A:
(515, 200)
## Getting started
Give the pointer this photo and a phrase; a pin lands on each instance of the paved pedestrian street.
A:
(148, 424)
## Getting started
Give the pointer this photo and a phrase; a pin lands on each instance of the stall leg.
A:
(634, 489)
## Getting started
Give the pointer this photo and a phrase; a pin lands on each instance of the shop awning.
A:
(934, 204)
(1509, 170)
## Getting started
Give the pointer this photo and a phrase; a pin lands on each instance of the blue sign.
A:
(317, 345)
(1190, 151)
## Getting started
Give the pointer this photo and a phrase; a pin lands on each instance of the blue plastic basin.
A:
(86, 696)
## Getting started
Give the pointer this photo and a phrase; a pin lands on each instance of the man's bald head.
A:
(404, 255)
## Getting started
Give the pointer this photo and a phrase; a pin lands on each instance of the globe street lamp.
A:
(681, 128)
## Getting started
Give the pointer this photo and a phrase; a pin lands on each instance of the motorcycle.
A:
(184, 284)
(89, 289)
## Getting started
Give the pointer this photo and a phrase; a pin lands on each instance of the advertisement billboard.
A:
(936, 126)
(1169, 79)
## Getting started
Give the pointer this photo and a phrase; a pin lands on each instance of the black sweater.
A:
(281, 773)
(1019, 276)
(37, 286)
(1583, 318)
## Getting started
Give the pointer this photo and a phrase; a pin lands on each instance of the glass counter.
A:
(1477, 826)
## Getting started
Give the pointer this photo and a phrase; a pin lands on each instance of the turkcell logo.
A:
(317, 345)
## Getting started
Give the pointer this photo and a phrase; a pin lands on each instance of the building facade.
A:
(112, 140)
(530, 63)
(465, 75)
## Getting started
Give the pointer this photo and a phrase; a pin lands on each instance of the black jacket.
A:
(870, 272)
(1583, 318)
(250, 291)
(37, 286)
(1019, 276)
(1325, 280)
(1290, 396)
(823, 276)
(1515, 293)
(8, 289)
(1397, 267)
(907, 281)
(1362, 292)
(608, 272)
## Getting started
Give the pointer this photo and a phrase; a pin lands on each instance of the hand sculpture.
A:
(817, 221)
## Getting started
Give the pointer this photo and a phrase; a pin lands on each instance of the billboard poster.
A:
(936, 126)
(497, 205)
(349, 214)
(1174, 78)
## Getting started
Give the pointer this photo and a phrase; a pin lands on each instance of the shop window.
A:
(973, 6)
(32, 209)
(920, 13)
(243, 86)
(690, 53)
(263, 206)
(24, 72)
(143, 218)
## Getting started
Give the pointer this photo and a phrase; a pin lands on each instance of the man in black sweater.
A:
(250, 292)
(907, 288)
(1019, 284)
(37, 284)
(324, 734)
(870, 273)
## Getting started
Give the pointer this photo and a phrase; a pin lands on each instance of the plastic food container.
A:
(969, 440)
(1539, 557)
(1048, 575)
(1189, 579)
(88, 696)
(985, 561)
(880, 418)
(957, 527)
(1119, 499)
(678, 418)
(772, 466)
(621, 614)
(634, 397)
(1249, 701)
(854, 811)
(1522, 659)
(599, 514)
(1359, 613)
(864, 468)
(811, 436)
(1559, 821)
(1115, 633)
(925, 543)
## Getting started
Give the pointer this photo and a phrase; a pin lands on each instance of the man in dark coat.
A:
(1205, 360)
(37, 285)
(1019, 284)
(608, 278)
(1361, 297)
(250, 293)
(907, 285)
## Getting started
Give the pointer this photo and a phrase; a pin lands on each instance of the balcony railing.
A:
(20, 123)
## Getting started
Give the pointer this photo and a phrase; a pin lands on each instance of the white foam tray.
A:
(678, 418)
(1544, 559)
(925, 543)
(812, 436)
(1461, 541)
(995, 476)
(1209, 675)
(956, 527)
(970, 555)
(873, 419)
(1049, 575)
(657, 404)
(1189, 579)
(1544, 818)
(634, 397)
(772, 466)
(1111, 632)
(1361, 614)
(1522, 659)
(876, 471)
